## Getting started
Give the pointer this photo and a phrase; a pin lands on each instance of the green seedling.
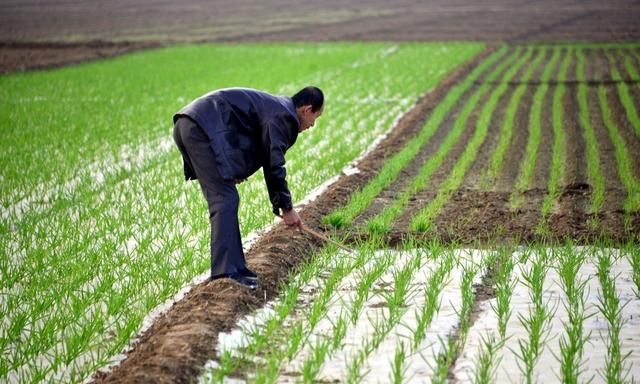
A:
(610, 308)
(633, 254)
(537, 323)
(398, 367)
(487, 360)
(573, 341)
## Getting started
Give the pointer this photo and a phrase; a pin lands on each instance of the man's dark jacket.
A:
(247, 129)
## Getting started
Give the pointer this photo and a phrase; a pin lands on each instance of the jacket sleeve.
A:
(277, 139)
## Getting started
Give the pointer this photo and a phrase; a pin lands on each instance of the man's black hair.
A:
(310, 95)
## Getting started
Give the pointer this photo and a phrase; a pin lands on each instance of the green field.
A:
(98, 227)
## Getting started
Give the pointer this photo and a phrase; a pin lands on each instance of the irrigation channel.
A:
(536, 145)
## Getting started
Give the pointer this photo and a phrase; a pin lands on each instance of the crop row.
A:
(405, 316)
(98, 225)
(532, 88)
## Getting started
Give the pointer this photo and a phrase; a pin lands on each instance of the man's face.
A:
(307, 117)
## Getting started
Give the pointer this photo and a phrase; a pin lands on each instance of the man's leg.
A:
(222, 197)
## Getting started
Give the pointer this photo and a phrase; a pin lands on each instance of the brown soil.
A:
(19, 56)
(95, 27)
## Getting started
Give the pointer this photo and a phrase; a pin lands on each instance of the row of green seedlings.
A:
(623, 159)
(415, 346)
(381, 223)
(490, 346)
(628, 178)
(568, 261)
(528, 163)
(395, 301)
(422, 221)
(264, 338)
(592, 150)
(536, 322)
(505, 134)
(452, 346)
(361, 199)
(298, 331)
(559, 156)
(424, 218)
(609, 305)
(558, 121)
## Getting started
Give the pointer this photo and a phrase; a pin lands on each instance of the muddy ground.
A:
(37, 34)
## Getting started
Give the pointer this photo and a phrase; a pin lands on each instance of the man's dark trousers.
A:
(222, 198)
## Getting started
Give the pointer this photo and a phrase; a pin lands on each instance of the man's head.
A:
(309, 103)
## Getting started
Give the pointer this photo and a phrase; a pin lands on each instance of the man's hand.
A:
(291, 218)
(239, 181)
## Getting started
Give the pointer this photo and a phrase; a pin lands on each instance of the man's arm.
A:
(277, 139)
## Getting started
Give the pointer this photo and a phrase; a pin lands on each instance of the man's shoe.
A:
(246, 272)
(248, 282)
